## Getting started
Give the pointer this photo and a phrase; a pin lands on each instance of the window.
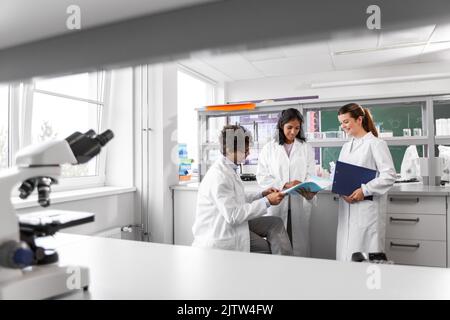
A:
(193, 92)
(61, 106)
(4, 126)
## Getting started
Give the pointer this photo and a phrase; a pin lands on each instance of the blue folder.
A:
(348, 178)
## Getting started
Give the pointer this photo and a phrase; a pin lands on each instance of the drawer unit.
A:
(416, 204)
(416, 226)
(416, 230)
(417, 252)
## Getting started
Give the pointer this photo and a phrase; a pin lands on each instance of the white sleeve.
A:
(385, 167)
(233, 211)
(252, 196)
(263, 175)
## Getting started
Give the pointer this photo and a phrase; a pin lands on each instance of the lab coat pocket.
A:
(367, 214)
(226, 244)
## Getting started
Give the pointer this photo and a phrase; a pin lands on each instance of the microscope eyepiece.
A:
(87, 145)
(105, 137)
(90, 133)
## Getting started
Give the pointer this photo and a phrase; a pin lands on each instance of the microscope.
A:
(28, 271)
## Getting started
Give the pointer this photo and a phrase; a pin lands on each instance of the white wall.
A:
(163, 150)
(293, 86)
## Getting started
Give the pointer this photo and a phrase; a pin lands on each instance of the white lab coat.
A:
(362, 225)
(275, 169)
(223, 209)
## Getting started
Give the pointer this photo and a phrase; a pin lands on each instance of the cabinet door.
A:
(184, 204)
(417, 252)
(416, 204)
(416, 226)
(323, 230)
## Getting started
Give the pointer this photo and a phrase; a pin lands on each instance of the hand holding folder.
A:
(349, 177)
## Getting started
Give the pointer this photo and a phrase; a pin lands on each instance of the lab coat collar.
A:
(368, 135)
(227, 162)
(357, 142)
(294, 149)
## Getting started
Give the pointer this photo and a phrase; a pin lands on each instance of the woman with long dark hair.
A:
(284, 162)
(361, 222)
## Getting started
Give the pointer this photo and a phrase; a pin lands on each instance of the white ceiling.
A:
(23, 21)
(341, 51)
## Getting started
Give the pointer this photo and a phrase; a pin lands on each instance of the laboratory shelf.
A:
(402, 141)
(442, 140)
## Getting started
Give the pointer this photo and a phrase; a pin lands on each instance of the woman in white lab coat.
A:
(284, 162)
(362, 223)
(229, 218)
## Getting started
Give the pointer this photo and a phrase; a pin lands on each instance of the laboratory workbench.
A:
(417, 223)
(123, 269)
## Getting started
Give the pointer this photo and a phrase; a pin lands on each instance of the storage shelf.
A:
(254, 145)
(334, 138)
(443, 140)
(401, 141)
(327, 142)
(391, 141)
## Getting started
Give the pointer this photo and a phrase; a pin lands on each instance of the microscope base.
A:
(43, 282)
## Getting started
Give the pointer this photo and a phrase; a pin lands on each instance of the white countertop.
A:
(397, 189)
(122, 269)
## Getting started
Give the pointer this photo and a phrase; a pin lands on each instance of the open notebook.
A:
(314, 184)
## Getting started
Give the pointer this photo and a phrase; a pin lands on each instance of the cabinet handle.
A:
(404, 199)
(417, 245)
(404, 220)
(336, 198)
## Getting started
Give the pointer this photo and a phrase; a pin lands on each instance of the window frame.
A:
(198, 76)
(8, 138)
(23, 118)
(214, 98)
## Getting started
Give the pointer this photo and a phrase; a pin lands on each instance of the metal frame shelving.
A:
(427, 139)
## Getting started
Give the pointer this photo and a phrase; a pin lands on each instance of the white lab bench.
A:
(124, 269)
(417, 227)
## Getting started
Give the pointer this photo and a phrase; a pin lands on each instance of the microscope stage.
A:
(51, 221)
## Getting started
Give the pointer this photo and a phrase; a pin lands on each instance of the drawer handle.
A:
(336, 198)
(417, 245)
(416, 200)
(416, 220)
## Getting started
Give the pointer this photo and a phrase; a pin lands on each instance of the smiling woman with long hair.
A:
(361, 222)
(284, 162)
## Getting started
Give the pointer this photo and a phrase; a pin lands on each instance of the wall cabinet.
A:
(323, 228)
